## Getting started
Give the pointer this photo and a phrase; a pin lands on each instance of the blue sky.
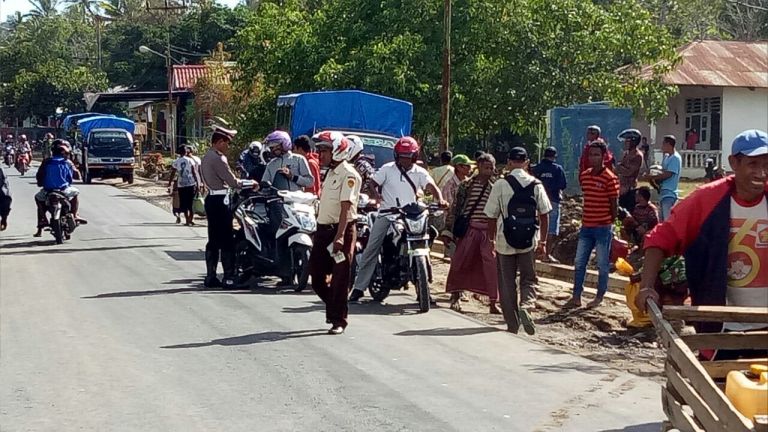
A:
(9, 7)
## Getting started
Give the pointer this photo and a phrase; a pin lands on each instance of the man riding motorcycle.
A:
(56, 173)
(401, 182)
(287, 170)
(24, 148)
(9, 149)
(251, 163)
(361, 163)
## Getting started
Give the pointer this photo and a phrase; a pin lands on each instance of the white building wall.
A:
(742, 109)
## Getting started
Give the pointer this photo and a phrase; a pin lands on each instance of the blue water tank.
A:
(566, 131)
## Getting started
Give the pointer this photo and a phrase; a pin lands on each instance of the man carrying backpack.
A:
(520, 206)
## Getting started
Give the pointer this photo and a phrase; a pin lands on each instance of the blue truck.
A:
(378, 120)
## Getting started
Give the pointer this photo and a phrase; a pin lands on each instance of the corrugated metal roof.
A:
(185, 76)
(720, 64)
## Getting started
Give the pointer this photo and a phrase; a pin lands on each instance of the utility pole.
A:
(170, 126)
(445, 96)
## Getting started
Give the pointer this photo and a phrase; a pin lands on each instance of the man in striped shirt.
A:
(601, 192)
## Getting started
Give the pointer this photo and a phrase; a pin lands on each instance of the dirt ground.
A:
(599, 334)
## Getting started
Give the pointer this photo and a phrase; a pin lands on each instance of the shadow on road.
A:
(314, 306)
(443, 331)
(645, 427)
(31, 243)
(591, 369)
(255, 338)
(57, 250)
(124, 294)
(197, 255)
(376, 308)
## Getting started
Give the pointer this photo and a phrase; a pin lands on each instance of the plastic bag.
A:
(631, 290)
(198, 205)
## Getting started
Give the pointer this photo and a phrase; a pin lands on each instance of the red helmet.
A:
(406, 146)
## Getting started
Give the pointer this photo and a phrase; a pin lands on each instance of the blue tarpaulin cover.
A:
(72, 119)
(347, 109)
(105, 122)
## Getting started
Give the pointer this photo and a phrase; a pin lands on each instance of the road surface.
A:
(112, 331)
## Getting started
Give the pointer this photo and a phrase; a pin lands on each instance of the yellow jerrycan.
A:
(748, 390)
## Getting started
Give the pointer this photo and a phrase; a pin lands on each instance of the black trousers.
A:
(221, 240)
(321, 264)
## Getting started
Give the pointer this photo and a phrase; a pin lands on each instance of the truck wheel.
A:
(87, 178)
(129, 179)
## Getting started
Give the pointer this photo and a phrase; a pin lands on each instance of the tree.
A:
(43, 8)
(513, 59)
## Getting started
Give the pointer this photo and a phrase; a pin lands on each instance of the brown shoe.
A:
(595, 303)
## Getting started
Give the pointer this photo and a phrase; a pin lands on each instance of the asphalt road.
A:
(112, 331)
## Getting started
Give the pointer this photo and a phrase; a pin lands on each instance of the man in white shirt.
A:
(401, 182)
(528, 237)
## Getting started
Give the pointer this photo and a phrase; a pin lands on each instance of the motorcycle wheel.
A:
(422, 286)
(56, 230)
(301, 266)
(378, 289)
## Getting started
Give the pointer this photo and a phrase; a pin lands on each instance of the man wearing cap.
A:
(593, 134)
(552, 176)
(462, 166)
(218, 178)
(669, 178)
(510, 260)
(722, 231)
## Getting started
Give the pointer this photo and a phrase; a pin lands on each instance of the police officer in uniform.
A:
(218, 178)
(335, 228)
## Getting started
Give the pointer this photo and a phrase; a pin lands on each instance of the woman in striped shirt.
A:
(473, 265)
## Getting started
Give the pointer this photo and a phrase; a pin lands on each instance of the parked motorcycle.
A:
(22, 163)
(9, 153)
(404, 255)
(62, 221)
(256, 243)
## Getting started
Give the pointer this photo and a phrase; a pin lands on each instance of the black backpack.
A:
(521, 222)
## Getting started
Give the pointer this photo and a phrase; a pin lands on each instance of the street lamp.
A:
(169, 127)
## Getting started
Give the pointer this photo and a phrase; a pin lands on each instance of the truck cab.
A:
(108, 153)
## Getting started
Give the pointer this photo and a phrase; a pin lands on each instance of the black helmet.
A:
(633, 135)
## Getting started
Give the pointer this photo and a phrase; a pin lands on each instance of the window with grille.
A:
(702, 105)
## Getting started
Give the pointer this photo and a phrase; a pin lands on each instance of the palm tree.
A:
(43, 8)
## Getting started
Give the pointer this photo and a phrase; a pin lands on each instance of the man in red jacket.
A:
(302, 146)
(722, 230)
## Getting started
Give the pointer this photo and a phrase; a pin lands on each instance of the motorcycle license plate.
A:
(419, 252)
(111, 167)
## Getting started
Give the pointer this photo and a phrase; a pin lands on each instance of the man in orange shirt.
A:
(601, 192)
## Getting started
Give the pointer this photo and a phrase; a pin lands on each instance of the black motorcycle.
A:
(404, 255)
(62, 221)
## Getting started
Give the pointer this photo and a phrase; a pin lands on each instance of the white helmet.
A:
(339, 144)
(356, 146)
(255, 147)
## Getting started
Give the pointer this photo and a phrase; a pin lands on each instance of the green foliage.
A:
(512, 59)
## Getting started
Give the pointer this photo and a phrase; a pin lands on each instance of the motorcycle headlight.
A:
(416, 226)
(306, 221)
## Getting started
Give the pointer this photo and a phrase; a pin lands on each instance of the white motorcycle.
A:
(261, 243)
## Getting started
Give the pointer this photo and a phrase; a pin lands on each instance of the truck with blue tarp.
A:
(378, 120)
(107, 148)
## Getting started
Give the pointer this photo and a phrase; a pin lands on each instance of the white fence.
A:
(694, 161)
